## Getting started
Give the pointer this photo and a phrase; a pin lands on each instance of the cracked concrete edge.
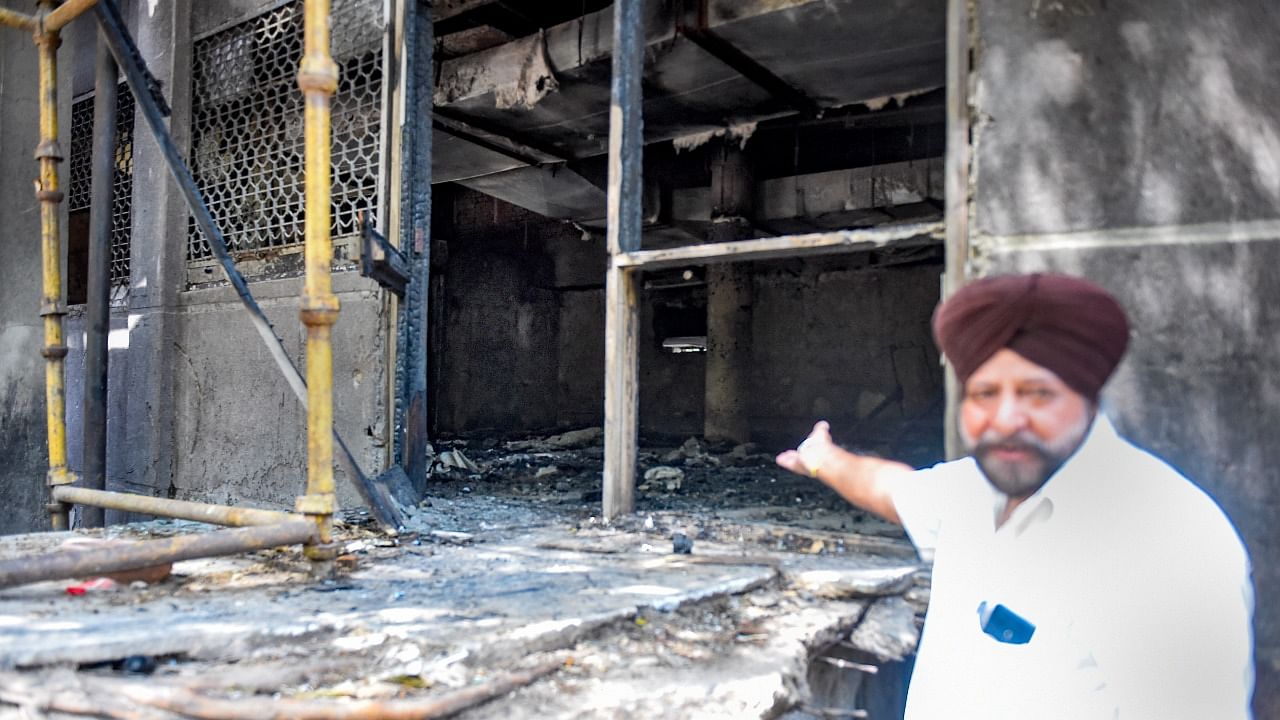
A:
(197, 638)
(548, 635)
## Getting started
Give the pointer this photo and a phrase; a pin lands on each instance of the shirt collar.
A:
(1069, 486)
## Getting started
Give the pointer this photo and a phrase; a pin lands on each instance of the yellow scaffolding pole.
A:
(52, 309)
(318, 80)
(15, 19)
(66, 12)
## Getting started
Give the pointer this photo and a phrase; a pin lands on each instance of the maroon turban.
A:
(1068, 325)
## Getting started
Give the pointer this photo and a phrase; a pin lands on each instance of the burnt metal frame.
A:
(318, 79)
(381, 261)
(627, 261)
(98, 293)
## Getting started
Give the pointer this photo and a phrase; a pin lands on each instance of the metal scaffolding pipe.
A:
(318, 80)
(118, 558)
(164, 507)
(98, 296)
(15, 19)
(52, 309)
(65, 13)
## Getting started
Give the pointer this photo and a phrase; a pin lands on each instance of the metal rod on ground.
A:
(118, 698)
(849, 664)
(101, 561)
(622, 309)
(164, 507)
(49, 154)
(380, 506)
(833, 713)
(98, 310)
(318, 81)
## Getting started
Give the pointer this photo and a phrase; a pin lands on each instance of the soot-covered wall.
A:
(520, 340)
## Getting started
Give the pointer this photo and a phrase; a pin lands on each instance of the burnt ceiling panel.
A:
(454, 158)
(840, 52)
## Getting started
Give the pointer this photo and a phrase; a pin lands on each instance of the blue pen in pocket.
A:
(1004, 624)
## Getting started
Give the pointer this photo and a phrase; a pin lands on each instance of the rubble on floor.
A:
(506, 597)
(740, 481)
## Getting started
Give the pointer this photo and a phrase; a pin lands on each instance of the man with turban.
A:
(1074, 574)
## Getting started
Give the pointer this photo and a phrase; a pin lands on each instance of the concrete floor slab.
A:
(477, 587)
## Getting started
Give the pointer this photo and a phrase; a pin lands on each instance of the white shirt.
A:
(1136, 582)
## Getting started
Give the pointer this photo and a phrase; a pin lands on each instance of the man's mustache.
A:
(1019, 441)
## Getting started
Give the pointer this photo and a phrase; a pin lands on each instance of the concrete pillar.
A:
(1166, 193)
(159, 251)
(729, 298)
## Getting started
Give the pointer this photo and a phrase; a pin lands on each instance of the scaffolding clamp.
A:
(60, 476)
(48, 149)
(316, 504)
(319, 309)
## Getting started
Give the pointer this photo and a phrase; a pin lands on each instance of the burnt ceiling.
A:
(522, 91)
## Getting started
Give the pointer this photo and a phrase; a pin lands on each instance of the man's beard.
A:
(1020, 479)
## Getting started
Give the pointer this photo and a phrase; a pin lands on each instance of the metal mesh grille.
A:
(247, 126)
(79, 186)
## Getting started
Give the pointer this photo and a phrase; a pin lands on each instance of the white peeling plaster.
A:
(740, 133)
(881, 103)
(118, 339)
(535, 81)
(695, 141)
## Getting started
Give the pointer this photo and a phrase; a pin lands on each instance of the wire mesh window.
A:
(81, 167)
(247, 126)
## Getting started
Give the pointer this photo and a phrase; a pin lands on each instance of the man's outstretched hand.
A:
(864, 481)
(808, 458)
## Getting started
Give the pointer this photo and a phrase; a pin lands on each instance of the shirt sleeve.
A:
(925, 498)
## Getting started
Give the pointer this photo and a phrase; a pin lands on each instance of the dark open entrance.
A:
(760, 121)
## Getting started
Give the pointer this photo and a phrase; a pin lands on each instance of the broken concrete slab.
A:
(664, 477)
(460, 598)
(861, 582)
(888, 630)
(571, 440)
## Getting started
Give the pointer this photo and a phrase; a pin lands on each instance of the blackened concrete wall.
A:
(838, 341)
(522, 347)
(498, 371)
(240, 433)
(1137, 144)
